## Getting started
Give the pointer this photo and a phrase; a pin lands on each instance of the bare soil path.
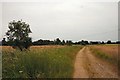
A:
(89, 66)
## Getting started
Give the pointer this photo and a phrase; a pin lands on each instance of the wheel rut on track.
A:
(89, 66)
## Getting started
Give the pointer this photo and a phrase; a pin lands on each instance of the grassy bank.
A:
(39, 63)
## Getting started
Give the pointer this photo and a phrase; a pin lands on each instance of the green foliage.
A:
(18, 34)
(63, 42)
(4, 42)
(58, 41)
(69, 42)
(40, 63)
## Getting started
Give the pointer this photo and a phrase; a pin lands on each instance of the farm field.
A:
(39, 62)
(66, 39)
(92, 61)
(108, 53)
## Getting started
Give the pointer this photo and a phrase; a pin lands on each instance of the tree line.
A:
(57, 41)
(18, 37)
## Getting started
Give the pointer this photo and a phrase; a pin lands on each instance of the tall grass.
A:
(40, 63)
(104, 56)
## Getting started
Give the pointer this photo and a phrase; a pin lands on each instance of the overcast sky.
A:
(66, 19)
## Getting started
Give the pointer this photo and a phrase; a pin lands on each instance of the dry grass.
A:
(46, 47)
(110, 50)
(9, 48)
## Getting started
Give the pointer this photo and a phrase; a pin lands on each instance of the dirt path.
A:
(89, 66)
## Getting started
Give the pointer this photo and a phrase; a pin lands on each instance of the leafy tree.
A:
(63, 42)
(84, 42)
(102, 42)
(58, 41)
(109, 42)
(4, 42)
(117, 42)
(69, 42)
(18, 35)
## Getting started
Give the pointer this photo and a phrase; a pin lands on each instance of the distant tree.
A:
(58, 41)
(79, 42)
(69, 42)
(117, 42)
(84, 42)
(63, 42)
(109, 42)
(43, 42)
(75, 43)
(94, 42)
(102, 42)
(4, 42)
(18, 35)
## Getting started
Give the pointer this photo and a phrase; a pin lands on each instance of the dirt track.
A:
(89, 66)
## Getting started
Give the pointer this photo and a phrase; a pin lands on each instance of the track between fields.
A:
(89, 66)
